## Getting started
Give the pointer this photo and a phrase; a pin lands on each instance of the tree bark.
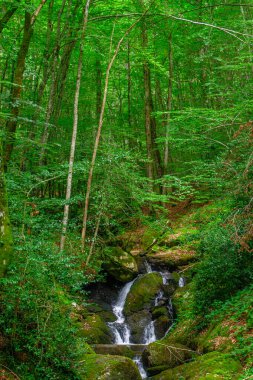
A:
(5, 228)
(154, 167)
(75, 125)
(6, 17)
(11, 124)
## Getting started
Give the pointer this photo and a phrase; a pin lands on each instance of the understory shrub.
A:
(224, 268)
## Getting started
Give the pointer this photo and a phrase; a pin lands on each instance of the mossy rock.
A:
(137, 323)
(120, 264)
(164, 354)
(172, 258)
(159, 311)
(161, 325)
(114, 349)
(143, 293)
(108, 367)
(213, 365)
(95, 330)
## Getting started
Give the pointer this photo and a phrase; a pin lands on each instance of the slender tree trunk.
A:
(100, 125)
(7, 16)
(11, 124)
(98, 88)
(94, 237)
(5, 228)
(154, 167)
(167, 151)
(75, 125)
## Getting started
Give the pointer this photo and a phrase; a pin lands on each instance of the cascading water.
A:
(119, 327)
(181, 282)
(137, 360)
(149, 333)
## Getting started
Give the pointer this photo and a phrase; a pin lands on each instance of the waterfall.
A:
(149, 333)
(148, 267)
(181, 282)
(119, 327)
(138, 361)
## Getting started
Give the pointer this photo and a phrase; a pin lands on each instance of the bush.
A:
(224, 268)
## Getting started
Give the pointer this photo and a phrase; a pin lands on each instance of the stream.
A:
(120, 329)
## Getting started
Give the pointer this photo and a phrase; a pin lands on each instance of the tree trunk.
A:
(74, 133)
(5, 228)
(11, 124)
(169, 107)
(154, 167)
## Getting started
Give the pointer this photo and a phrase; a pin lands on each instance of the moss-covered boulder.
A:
(213, 365)
(120, 264)
(172, 258)
(114, 349)
(164, 355)
(162, 325)
(108, 367)
(142, 293)
(139, 304)
(95, 330)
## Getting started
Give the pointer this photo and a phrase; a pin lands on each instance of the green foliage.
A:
(223, 269)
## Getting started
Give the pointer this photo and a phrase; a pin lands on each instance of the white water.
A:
(137, 360)
(119, 327)
(181, 282)
(149, 333)
(148, 267)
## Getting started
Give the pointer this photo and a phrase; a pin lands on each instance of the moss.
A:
(143, 292)
(213, 365)
(120, 264)
(107, 367)
(114, 349)
(173, 258)
(95, 330)
(159, 311)
(164, 354)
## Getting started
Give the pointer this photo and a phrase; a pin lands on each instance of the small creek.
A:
(120, 329)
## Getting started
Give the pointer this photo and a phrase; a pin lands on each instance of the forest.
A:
(126, 189)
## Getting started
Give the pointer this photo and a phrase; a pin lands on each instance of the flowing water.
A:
(120, 329)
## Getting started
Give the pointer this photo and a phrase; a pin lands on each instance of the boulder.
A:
(137, 323)
(120, 264)
(165, 355)
(162, 324)
(142, 293)
(172, 258)
(107, 367)
(213, 365)
(95, 330)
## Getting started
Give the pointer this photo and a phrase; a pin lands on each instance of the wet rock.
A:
(108, 367)
(165, 354)
(114, 349)
(142, 293)
(137, 323)
(120, 264)
(158, 311)
(162, 325)
(213, 365)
